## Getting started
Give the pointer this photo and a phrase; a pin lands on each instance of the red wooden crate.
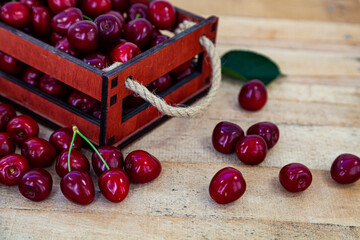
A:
(115, 127)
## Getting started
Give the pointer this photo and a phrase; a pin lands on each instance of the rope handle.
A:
(177, 111)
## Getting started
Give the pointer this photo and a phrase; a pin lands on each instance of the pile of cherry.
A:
(121, 30)
(35, 183)
(228, 184)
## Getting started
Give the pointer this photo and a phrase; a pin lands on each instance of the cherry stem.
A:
(71, 146)
(87, 18)
(138, 16)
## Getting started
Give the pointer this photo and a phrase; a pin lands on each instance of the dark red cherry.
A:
(78, 162)
(15, 14)
(253, 95)
(57, 6)
(39, 152)
(114, 184)
(61, 139)
(180, 69)
(227, 185)
(251, 149)
(138, 31)
(41, 21)
(120, 5)
(267, 130)
(32, 3)
(157, 40)
(346, 168)
(10, 65)
(162, 14)
(118, 15)
(55, 37)
(295, 177)
(7, 144)
(83, 35)
(112, 156)
(110, 28)
(124, 52)
(53, 87)
(187, 72)
(97, 111)
(12, 167)
(62, 21)
(82, 101)
(36, 184)
(65, 46)
(225, 136)
(133, 100)
(97, 59)
(78, 187)
(32, 76)
(155, 33)
(22, 127)
(137, 10)
(160, 84)
(142, 167)
(7, 112)
(94, 8)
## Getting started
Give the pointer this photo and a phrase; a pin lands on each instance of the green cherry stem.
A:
(87, 18)
(75, 130)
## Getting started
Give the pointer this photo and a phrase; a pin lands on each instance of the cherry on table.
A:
(94, 8)
(346, 168)
(39, 152)
(251, 149)
(12, 167)
(57, 6)
(7, 144)
(225, 136)
(114, 184)
(36, 184)
(10, 64)
(15, 14)
(112, 156)
(123, 52)
(41, 21)
(295, 177)
(82, 101)
(253, 95)
(62, 21)
(53, 87)
(83, 35)
(110, 28)
(267, 130)
(23, 127)
(162, 14)
(137, 10)
(138, 31)
(227, 185)
(61, 139)
(78, 162)
(32, 76)
(7, 112)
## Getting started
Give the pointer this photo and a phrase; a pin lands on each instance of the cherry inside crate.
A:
(116, 126)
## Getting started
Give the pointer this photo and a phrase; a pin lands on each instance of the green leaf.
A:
(248, 65)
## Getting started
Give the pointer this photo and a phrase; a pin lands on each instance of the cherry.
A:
(120, 5)
(253, 95)
(157, 40)
(97, 59)
(227, 185)
(78, 187)
(142, 167)
(97, 111)
(162, 14)
(61, 139)
(251, 149)
(22, 127)
(53, 87)
(146, 2)
(114, 184)
(110, 28)
(160, 84)
(36, 184)
(295, 177)
(94, 8)
(112, 156)
(118, 15)
(57, 6)
(7, 144)
(12, 167)
(32, 3)
(65, 46)
(39, 152)
(62, 21)
(267, 130)
(78, 161)
(133, 100)
(155, 33)
(123, 52)
(15, 14)
(82, 101)
(180, 69)
(137, 10)
(32, 76)
(10, 65)
(346, 168)
(41, 21)
(7, 112)
(138, 31)
(83, 35)
(225, 136)
(187, 72)
(55, 37)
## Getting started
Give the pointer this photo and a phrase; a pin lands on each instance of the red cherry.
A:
(78, 162)
(82, 101)
(7, 144)
(57, 6)
(123, 52)
(15, 14)
(253, 95)
(61, 139)
(10, 65)
(137, 10)
(53, 87)
(55, 37)
(32, 3)
(23, 127)
(36, 184)
(184, 74)
(114, 184)
(32, 76)
(12, 167)
(118, 15)
(267, 130)
(78, 187)
(112, 156)
(97, 59)
(346, 168)
(41, 21)
(65, 46)
(138, 31)
(162, 14)
(180, 69)
(94, 8)
(110, 28)
(120, 5)
(142, 167)
(62, 21)
(251, 149)
(225, 136)
(295, 177)
(160, 84)
(227, 185)
(157, 40)
(83, 35)
(39, 152)
(7, 112)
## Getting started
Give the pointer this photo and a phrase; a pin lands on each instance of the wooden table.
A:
(317, 45)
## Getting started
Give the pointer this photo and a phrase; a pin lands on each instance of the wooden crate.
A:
(115, 126)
